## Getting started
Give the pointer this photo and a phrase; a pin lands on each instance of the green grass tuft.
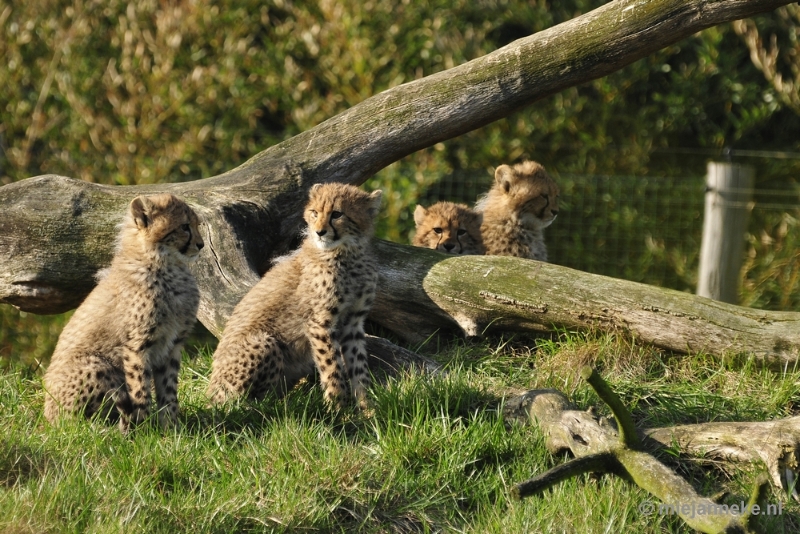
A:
(433, 456)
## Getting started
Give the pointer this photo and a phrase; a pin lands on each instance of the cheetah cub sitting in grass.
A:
(522, 202)
(449, 228)
(309, 309)
(130, 329)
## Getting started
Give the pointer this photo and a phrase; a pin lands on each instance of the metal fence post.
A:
(729, 191)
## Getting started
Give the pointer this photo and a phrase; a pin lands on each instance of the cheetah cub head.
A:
(524, 192)
(449, 228)
(340, 215)
(163, 223)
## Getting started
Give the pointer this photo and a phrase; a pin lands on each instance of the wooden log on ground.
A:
(774, 444)
(423, 290)
(597, 445)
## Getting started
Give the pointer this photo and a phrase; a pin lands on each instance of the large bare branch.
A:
(55, 233)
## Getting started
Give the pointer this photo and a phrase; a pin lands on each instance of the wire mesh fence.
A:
(648, 229)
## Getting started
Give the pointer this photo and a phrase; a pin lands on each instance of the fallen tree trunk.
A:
(423, 291)
(55, 233)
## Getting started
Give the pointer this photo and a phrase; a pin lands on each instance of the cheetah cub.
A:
(522, 202)
(130, 329)
(448, 227)
(309, 309)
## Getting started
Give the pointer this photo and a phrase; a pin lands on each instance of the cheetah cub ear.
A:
(505, 177)
(419, 215)
(140, 210)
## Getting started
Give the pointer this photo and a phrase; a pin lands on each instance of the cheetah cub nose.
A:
(200, 246)
(449, 246)
(321, 232)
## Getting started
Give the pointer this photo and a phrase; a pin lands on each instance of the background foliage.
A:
(125, 92)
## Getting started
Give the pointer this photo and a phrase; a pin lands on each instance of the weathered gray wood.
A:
(387, 359)
(598, 445)
(775, 444)
(729, 190)
(420, 292)
(55, 233)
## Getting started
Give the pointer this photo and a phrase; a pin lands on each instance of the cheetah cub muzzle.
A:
(521, 203)
(449, 228)
(128, 333)
(309, 309)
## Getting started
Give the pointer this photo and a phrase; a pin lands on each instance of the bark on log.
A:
(775, 443)
(55, 233)
(422, 291)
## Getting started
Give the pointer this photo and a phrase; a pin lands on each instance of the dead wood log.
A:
(55, 233)
(388, 360)
(775, 444)
(420, 291)
(598, 445)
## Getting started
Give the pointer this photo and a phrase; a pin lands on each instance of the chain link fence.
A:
(648, 229)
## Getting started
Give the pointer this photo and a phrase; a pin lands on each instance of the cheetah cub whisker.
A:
(129, 331)
(449, 228)
(309, 309)
(521, 203)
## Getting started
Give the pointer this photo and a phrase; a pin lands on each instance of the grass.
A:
(434, 456)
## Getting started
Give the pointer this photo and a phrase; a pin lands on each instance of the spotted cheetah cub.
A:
(130, 329)
(448, 227)
(309, 309)
(522, 202)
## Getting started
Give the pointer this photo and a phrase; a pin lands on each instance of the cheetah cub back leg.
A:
(94, 389)
(249, 365)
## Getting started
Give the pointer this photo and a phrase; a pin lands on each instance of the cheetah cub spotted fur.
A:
(449, 228)
(130, 329)
(522, 202)
(309, 309)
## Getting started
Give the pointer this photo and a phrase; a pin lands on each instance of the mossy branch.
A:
(597, 449)
(595, 463)
(628, 436)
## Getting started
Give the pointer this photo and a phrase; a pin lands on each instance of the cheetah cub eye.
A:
(168, 223)
(341, 218)
(449, 228)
